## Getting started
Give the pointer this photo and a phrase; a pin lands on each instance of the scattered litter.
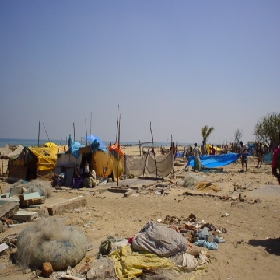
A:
(3, 247)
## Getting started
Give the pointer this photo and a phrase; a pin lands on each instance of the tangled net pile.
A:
(49, 240)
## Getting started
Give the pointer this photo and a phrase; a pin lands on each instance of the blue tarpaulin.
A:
(215, 161)
(267, 158)
(178, 154)
(73, 148)
(96, 143)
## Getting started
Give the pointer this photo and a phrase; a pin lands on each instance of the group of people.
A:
(243, 152)
(82, 177)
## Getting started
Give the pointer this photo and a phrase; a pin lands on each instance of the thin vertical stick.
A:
(90, 122)
(153, 147)
(151, 133)
(86, 129)
(119, 136)
(39, 134)
(74, 131)
(46, 132)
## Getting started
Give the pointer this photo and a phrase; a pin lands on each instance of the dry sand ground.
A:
(252, 247)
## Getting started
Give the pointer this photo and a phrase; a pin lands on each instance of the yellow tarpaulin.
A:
(129, 265)
(118, 167)
(47, 155)
(208, 148)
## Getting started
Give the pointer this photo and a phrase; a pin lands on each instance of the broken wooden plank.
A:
(117, 190)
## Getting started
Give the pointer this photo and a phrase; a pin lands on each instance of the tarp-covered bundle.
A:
(115, 149)
(149, 165)
(215, 161)
(161, 240)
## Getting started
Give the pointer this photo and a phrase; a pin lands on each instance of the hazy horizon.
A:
(180, 65)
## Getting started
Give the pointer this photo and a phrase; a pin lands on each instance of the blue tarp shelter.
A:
(215, 161)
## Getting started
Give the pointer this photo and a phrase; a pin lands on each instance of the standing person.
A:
(243, 151)
(203, 148)
(259, 155)
(212, 151)
(197, 162)
(276, 163)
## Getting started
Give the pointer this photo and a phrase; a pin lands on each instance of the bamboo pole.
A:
(153, 147)
(90, 122)
(46, 132)
(119, 135)
(39, 134)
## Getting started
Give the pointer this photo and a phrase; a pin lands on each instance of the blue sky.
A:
(177, 64)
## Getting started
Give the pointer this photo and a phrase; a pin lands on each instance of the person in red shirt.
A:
(276, 163)
(212, 151)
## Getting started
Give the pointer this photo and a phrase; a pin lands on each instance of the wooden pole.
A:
(39, 134)
(86, 129)
(119, 135)
(46, 132)
(139, 147)
(90, 122)
(74, 131)
(153, 146)
(172, 150)
(151, 133)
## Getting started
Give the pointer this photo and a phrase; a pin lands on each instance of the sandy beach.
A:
(247, 206)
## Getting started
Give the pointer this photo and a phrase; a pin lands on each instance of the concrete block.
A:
(27, 196)
(26, 200)
(25, 216)
(69, 204)
(9, 208)
(7, 199)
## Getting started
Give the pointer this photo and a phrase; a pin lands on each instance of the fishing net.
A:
(49, 240)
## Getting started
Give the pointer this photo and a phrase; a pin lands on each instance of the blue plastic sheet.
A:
(206, 244)
(96, 143)
(215, 161)
(267, 158)
(178, 154)
(74, 147)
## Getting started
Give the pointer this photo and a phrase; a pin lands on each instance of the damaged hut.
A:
(34, 162)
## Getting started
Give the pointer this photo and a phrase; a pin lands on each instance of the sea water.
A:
(34, 142)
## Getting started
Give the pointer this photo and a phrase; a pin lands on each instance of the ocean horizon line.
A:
(34, 142)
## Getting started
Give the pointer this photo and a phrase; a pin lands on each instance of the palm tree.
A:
(205, 132)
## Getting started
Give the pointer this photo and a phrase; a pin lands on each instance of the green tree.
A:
(267, 130)
(205, 132)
